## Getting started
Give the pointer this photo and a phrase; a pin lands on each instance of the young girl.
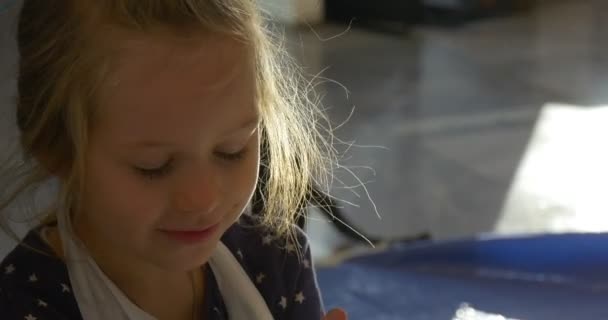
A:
(150, 116)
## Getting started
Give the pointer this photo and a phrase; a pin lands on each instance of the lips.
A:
(190, 236)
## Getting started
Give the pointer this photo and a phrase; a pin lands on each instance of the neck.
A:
(146, 285)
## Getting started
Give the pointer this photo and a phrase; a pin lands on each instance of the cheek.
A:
(113, 194)
(246, 178)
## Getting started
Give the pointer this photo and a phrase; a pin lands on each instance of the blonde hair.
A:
(61, 66)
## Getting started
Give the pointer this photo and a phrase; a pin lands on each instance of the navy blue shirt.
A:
(34, 283)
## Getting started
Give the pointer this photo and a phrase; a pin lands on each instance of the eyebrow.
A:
(250, 123)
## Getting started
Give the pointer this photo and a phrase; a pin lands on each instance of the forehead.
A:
(135, 56)
(161, 82)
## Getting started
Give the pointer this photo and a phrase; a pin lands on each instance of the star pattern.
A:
(42, 303)
(259, 278)
(290, 248)
(267, 240)
(299, 297)
(306, 263)
(65, 288)
(9, 269)
(283, 303)
(273, 271)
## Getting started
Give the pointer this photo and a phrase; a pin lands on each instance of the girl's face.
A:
(173, 153)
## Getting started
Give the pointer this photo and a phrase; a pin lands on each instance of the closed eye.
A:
(157, 172)
(236, 156)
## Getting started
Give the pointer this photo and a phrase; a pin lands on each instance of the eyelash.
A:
(232, 156)
(166, 168)
(156, 172)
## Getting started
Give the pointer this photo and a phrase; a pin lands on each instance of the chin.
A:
(186, 257)
(187, 260)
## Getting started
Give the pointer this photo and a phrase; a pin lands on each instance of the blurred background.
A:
(465, 117)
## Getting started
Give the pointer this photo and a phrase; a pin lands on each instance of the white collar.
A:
(100, 299)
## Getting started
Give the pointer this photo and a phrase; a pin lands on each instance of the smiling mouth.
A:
(190, 236)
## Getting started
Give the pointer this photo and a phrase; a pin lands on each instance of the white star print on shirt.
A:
(267, 240)
(9, 269)
(300, 297)
(65, 288)
(290, 248)
(260, 277)
(293, 292)
(306, 263)
(42, 303)
(283, 303)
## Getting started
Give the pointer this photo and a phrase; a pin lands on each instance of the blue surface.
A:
(537, 277)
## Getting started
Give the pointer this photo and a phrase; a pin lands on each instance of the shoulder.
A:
(281, 268)
(34, 284)
(257, 246)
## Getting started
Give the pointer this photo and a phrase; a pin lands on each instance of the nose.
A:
(196, 194)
